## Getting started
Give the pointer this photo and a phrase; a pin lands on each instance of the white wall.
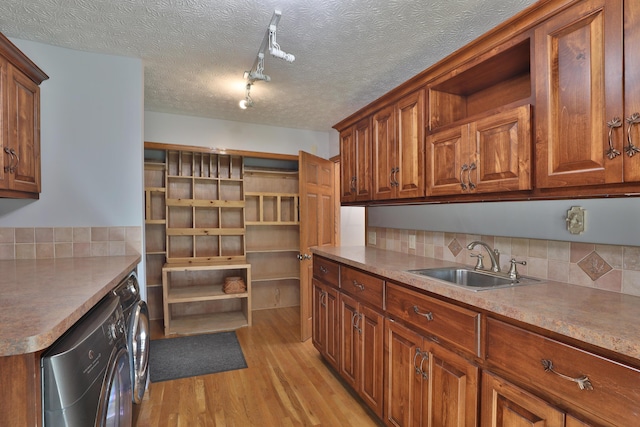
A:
(91, 142)
(204, 132)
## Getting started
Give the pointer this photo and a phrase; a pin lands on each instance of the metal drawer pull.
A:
(323, 298)
(360, 286)
(428, 316)
(631, 149)
(612, 153)
(583, 382)
(323, 269)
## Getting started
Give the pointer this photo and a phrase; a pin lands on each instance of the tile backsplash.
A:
(608, 267)
(68, 242)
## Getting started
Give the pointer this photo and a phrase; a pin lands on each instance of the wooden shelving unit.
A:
(273, 235)
(155, 168)
(194, 301)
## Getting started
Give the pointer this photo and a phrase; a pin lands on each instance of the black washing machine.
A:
(85, 373)
(136, 316)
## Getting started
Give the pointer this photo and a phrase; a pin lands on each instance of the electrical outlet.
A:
(412, 241)
(372, 237)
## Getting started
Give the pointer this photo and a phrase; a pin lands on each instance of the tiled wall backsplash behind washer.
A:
(608, 267)
(69, 242)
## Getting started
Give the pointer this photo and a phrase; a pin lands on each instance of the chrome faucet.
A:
(494, 255)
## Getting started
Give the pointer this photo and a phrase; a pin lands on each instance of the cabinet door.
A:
(24, 130)
(347, 166)
(362, 146)
(578, 90)
(502, 145)
(5, 158)
(384, 157)
(454, 389)
(446, 156)
(349, 340)
(632, 84)
(332, 313)
(370, 357)
(409, 175)
(404, 383)
(319, 314)
(505, 405)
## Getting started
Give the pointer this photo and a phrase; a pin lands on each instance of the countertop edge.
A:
(114, 269)
(516, 303)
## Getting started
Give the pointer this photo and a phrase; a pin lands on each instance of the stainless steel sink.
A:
(472, 279)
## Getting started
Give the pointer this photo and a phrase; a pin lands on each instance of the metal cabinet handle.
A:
(425, 356)
(472, 167)
(323, 269)
(417, 369)
(353, 184)
(360, 286)
(631, 149)
(355, 319)
(612, 153)
(583, 382)
(463, 169)
(9, 152)
(323, 298)
(392, 179)
(428, 315)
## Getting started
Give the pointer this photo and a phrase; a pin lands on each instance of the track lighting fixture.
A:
(256, 73)
(247, 101)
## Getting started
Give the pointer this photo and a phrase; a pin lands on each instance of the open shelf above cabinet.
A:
(491, 81)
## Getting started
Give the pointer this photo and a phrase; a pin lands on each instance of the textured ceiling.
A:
(348, 52)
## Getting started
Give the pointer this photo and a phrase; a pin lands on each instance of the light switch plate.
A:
(372, 237)
(412, 241)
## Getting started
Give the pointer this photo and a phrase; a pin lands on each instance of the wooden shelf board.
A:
(156, 253)
(200, 293)
(203, 323)
(205, 231)
(155, 166)
(271, 277)
(155, 221)
(206, 203)
(194, 266)
(155, 189)
(271, 250)
(270, 223)
(223, 260)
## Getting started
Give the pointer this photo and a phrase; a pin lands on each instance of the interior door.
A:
(318, 224)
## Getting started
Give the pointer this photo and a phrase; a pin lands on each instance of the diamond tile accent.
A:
(455, 247)
(594, 266)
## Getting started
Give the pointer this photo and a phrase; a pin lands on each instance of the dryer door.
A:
(138, 343)
(115, 407)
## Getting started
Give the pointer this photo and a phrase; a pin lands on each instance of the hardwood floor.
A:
(286, 384)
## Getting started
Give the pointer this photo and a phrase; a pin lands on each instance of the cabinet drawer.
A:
(362, 286)
(447, 322)
(327, 271)
(615, 389)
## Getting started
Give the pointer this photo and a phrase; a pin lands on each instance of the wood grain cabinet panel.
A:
(591, 384)
(505, 405)
(327, 271)
(490, 154)
(19, 123)
(398, 149)
(326, 320)
(582, 104)
(362, 286)
(361, 351)
(438, 319)
(355, 162)
(425, 384)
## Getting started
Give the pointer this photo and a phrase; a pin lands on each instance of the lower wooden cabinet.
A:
(505, 405)
(425, 384)
(361, 351)
(326, 320)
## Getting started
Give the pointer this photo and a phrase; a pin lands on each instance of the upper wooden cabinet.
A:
(19, 123)
(490, 154)
(587, 95)
(398, 149)
(355, 162)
